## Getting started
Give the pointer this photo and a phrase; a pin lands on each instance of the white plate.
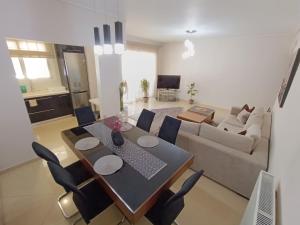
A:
(86, 143)
(108, 164)
(126, 126)
(148, 141)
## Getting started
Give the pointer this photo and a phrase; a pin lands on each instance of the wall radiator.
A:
(261, 206)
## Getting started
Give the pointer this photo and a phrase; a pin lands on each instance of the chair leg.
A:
(66, 215)
(175, 222)
(122, 220)
(77, 220)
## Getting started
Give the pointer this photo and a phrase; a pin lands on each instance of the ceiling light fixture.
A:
(107, 47)
(119, 45)
(190, 50)
(97, 47)
(191, 31)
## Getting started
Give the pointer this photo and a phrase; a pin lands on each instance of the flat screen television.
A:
(168, 81)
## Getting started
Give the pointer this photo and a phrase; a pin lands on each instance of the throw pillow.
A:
(247, 108)
(243, 116)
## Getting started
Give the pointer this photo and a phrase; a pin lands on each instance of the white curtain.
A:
(138, 65)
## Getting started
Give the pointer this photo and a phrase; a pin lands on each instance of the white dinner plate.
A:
(108, 164)
(148, 141)
(87, 143)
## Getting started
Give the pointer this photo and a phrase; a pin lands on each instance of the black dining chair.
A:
(145, 120)
(169, 129)
(90, 199)
(78, 171)
(85, 116)
(169, 205)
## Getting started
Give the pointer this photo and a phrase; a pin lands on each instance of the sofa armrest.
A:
(235, 110)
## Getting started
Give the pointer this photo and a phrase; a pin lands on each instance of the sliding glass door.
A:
(138, 65)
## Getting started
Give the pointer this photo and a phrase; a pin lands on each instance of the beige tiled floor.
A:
(28, 194)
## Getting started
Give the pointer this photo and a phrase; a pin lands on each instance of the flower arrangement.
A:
(116, 126)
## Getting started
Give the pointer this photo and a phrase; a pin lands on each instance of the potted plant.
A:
(192, 92)
(145, 88)
(122, 90)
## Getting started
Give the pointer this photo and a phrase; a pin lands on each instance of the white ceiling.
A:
(167, 20)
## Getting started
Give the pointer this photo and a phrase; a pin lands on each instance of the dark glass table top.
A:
(129, 186)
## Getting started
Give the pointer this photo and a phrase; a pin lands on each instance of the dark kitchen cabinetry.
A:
(49, 107)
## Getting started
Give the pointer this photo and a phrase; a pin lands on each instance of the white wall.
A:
(45, 20)
(285, 154)
(230, 70)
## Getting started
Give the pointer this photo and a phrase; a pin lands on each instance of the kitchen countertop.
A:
(36, 94)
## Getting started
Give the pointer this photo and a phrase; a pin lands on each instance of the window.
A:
(18, 68)
(31, 68)
(30, 58)
(138, 65)
(36, 68)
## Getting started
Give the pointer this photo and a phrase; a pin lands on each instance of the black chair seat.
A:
(95, 202)
(155, 213)
(79, 172)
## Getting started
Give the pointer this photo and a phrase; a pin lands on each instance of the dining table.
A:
(146, 171)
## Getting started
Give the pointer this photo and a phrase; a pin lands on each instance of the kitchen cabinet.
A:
(49, 107)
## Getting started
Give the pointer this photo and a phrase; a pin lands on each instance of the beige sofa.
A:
(231, 159)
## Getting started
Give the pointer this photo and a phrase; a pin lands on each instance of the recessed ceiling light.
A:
(190, 31)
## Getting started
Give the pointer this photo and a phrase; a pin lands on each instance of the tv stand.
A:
(167, 95)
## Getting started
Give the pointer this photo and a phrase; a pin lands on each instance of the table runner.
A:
(142, 161)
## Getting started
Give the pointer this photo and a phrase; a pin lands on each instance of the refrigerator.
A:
(77, 78)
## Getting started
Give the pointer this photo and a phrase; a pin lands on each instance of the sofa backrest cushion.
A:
(254, 119)
(190, 127)
(254, 132)
(232, 140)
(266, 128)
(243, 116)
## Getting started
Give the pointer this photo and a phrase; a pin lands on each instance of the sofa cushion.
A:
(190, 127)
(258, 111)
(243, 116)
(232, 140)
(233, 121)
(254, 132)
(254, 118)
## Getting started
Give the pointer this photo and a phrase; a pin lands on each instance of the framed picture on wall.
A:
(287, 81)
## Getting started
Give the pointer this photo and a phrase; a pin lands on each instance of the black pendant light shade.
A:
(119, 32)
(97, 36)
(106, 32)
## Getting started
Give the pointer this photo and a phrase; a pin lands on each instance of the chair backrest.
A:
(63, 178)
(84, 115)
(169, 129)
(175, 204)
(145, 120)
(44, 153)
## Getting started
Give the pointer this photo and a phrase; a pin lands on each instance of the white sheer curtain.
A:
(138, 64)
